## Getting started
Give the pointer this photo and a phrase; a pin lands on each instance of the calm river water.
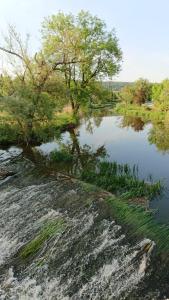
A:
(126, 140)
(89, 255)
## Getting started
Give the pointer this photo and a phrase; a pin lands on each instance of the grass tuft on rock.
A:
(49, 230)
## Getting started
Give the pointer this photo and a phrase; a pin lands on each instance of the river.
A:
(58, 239)
(127, 140)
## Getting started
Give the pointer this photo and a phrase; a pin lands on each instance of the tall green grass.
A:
(140, 222)
(120, 179)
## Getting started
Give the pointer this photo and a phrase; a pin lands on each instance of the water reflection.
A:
(122, 139)
(82, 155)
(134, 122)
(92, 123)
(159, 135)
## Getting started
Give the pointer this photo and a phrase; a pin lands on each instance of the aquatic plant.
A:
(140, 222)
(120, 179)
(49, 229)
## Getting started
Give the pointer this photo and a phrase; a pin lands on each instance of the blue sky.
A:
(142, 27)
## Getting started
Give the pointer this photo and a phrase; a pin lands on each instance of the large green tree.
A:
(27, 94)
(87, 49)
(160, 95)
(137, 93)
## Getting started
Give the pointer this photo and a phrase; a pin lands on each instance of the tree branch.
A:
(11, 52)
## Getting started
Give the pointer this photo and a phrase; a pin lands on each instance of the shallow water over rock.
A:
(58, 240)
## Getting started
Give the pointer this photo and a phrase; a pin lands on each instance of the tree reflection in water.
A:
(134, 122)
(80, 156)
(159, 135)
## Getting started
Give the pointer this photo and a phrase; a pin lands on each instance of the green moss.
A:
(140, 222)
(49, 230)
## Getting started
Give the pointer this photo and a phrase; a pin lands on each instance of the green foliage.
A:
(77, 52)
(164, 96)
(27, 108)
(28, 95)
(146, 113)
(6, 85)
(10, 132)
(88, 50)
(160, 95)
(137, 93)
(50, 229)
(115, 85)
(99, 95)
(61, 156)
(120, 179)
(140, 222)
(127, 94)
(141, 91)
(156, 92)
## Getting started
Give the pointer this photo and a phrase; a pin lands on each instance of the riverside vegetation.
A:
(77, 53)
(144, 99)
(62, 72)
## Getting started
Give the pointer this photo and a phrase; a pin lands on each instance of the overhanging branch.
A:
(11, 52)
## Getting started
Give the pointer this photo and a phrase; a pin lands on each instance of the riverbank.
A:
(64, 238)
(117, 197)
(146, 113)
(12, 134)
(59, 240)
(130, 205)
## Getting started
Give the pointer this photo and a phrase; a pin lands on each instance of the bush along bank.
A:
(146, 113)
(11, 133)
